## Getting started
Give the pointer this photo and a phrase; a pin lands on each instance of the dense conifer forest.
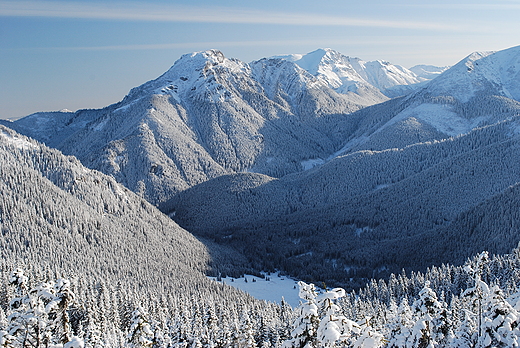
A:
(74, 273)
(476, 305)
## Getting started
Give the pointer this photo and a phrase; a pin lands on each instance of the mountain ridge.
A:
(269, 116)
(266, 155)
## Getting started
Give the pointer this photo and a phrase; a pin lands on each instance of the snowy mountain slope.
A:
(56, 213)
(478, 91)
(480, 74)
(428, 72)
(206, 116)
(345, 74)
(418, 119)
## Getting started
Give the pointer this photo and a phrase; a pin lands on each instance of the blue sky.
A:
(89, 54)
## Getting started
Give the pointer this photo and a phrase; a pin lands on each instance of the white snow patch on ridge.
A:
(16, 141)
(441, 117)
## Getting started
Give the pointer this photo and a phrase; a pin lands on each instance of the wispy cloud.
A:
(134, 11)
(201, 45)
(177, 45)
(495, 5)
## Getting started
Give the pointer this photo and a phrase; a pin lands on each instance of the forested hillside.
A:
(415, 168)
(474, 305)
(60, 219)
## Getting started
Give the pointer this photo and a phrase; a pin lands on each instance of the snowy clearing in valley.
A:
(272, 288)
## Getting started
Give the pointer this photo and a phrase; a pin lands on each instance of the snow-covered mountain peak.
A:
(428, 72)
(482, 73)
(321, 60)
(193, 73)
(332, 68)
(346, 74)
(199, 64)
(199, 59)
(311, 62)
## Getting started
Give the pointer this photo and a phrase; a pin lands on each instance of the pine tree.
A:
(475, 295)
(246, 338)
(28, 320)
(368, 337)
(426, 310)
(333, 326)
(465, 334)
(500, 321)
(61, 297)
(305, 325)
(400, 323)
(140, 333)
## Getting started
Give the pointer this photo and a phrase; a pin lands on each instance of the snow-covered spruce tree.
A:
(286, 319)
(210, 322)
(306, 323)
(426, 313)
(161, 339)
(475, 295)
(465, 334)
(246, 334)
(140, 333)
(39, 317)
(265, 334)
(61, 296)
(334, 327)
(28, 320)
(329, 330)
(400, 323)
(93, 335)
(500, 321)
(368, 337)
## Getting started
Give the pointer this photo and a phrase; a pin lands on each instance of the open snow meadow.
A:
(270, 288)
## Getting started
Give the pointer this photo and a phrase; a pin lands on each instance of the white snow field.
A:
(272, 288)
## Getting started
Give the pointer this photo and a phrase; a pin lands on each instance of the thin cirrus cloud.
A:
(254, 43)
(134, 11)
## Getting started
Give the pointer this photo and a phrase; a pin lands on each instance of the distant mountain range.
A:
(325, 166)
(346, 74)
(209, 115)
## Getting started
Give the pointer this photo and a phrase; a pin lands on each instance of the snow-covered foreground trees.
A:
(461, 307)
(319, 323)
(480, 316)
(39, 316)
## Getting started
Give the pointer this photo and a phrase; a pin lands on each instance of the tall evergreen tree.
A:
(305, 325)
